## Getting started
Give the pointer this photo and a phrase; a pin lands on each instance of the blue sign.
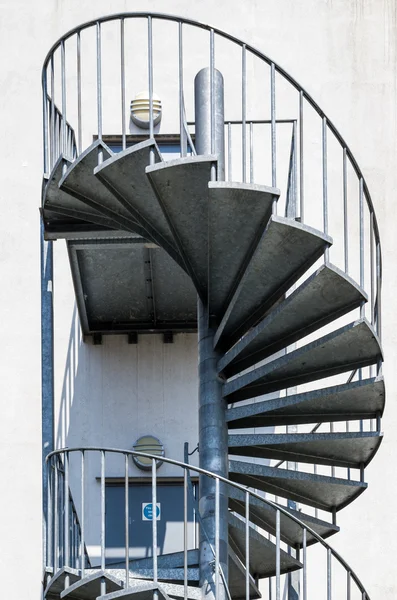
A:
(147, 511)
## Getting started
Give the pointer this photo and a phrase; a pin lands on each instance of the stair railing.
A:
(83, 479)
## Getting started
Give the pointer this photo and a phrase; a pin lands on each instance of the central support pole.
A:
(213, 446)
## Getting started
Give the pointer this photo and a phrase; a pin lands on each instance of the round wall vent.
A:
(140, 110)
(149, 445)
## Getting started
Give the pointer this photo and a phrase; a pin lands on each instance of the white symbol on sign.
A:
(147, 511)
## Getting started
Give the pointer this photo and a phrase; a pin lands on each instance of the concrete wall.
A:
(345, 53)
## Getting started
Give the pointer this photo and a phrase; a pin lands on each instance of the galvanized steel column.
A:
(213, 445)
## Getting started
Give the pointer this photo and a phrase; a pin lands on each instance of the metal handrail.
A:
(351, 575)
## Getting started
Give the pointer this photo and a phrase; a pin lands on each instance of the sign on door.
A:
(147, 511)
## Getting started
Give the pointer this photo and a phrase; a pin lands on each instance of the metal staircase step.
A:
(334, 449)
(166, 574)
(363, 399)
(141, 591)
(64, 212)
(172, 589)
(237, 579)
(79, 181)
(324, 296)
(181, 186)
(262, 552)
(284, 253)
(351, 347)
(167, 561)
(319, 491)
(89, 587)
(262, 515)
(237, 217)
(124, 176)
(56, 585)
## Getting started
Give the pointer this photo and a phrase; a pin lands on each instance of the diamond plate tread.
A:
(264, 516)
(171, 560)
(363, 399)
(237, 217)
(56, 585)
(89, 588)
(141, 591)
(124, 176)
(319, 491)
(237, 581)
(333, 449)
(284, 253)
(166, 574)
(181, 186)
(346, 349)
(58, 205)
(262, 552)
(324, 296)
(80, 182)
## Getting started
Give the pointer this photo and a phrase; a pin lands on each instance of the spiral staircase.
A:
(161, 233)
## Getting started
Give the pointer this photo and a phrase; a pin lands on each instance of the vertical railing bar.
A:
(126, 523)
(273, 122)
(56, 518)
(122, 82)
(295, 172)
(304, 558)
(82, 520)
(52, 124)
(103, 541)
(251, 152)
(244, 111)
(371, 251)
(49, 556)
(99, 86)
(63, 85)
(378, 292)
(329, 581)
(229, 151)
(183, 139)
(66, 511)
(247, 546)
(301, 170)
(345, 213)
(150, 74)
(154, 520)
(361, 207)
(348, 586)
(278, 556)
(45, 123)
(79, 115)
(212, 101)
(185, 540)
(217, 533)
(325, 183)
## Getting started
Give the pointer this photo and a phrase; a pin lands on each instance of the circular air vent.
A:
(140, 110)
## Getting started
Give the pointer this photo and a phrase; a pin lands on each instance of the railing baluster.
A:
(66, 516)
(361, 217)
(244, 111)
(229, 151)
(273, 124)
(212, 100)
(304, 559)
(301, 170)
(52, 125)
(329, 575)
(122, 84)
(79, 112)
(345, 213)
(63, 86)
(251, 152)
(185, 540)
(183, 136)
(278, 555)
(247, 546)
(82, 522)
(103, 509)
(154, 520)
(372, 274)
(217, 533)
(49, 532)
(325, 183)
(126, 523)
(348, 586)
(45, 123)
(99, 86)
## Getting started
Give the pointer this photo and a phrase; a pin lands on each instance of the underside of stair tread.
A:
(237, 217)
(324, 296)
(64, 211)
(139, 592)
(363, 399)
(181, 186)
(89, 588)
(56, 584)
(262, 552)
(264, 516)
(237, 579)
(124, 176)
(353, 346)
(284, 253)
(338, 449)
(79, 181)
(319, 491)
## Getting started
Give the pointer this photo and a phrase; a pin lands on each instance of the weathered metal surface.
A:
(140, 591)
(285, 251)
(264, 516)
(172, 560)
(350, 347)
(111, 279)
(79, 181)
(334, 449)
(320, 491)
(182, 189)
(124, 176)
(89, 587)
(350, 401)
(262, 552)
(323, 297)
(237, 217)
(167, 574)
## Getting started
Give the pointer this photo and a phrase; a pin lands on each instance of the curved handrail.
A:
(245, 489)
